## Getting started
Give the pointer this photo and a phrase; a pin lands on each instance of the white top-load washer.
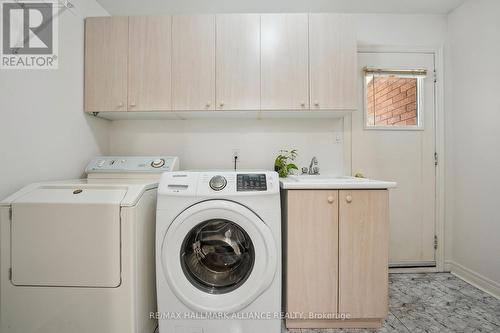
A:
(218, 252)
(78, 256)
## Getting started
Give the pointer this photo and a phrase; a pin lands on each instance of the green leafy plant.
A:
(283, 164)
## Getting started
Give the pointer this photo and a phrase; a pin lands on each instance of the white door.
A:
(393, 138)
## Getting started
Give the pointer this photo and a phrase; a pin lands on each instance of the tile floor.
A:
(434, 302)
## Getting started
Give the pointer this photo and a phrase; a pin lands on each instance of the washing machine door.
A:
(218, 255)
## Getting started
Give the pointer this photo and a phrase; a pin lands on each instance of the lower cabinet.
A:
(336, 258)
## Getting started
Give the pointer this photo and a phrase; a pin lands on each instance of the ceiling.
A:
(163, 7)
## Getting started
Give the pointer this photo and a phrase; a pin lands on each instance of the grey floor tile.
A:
(450, 280)
(415, 290)
(442, 303)
(482, 298)
(445, 319)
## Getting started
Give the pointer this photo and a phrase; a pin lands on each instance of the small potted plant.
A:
(283, 164)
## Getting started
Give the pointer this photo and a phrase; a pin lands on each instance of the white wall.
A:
(401, 30)
(44, 133)
(474, 110)
(210, 143)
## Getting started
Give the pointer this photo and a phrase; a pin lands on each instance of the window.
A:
(393, 99)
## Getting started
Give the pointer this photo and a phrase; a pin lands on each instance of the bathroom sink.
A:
(332, 182)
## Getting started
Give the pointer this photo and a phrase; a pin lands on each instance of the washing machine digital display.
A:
(251, 182)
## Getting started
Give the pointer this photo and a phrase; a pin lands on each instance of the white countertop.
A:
(307, 182)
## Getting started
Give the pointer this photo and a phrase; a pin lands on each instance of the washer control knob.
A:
(158, 163)
(217, 183)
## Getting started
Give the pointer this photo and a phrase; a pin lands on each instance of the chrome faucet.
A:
(313, 167)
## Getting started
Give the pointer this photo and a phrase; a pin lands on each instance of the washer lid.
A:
(218, 255)
(67, 236)
(58, 191)
(73, 194)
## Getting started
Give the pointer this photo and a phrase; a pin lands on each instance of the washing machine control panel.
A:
(219, 183)
(251, 182)
(132, 164)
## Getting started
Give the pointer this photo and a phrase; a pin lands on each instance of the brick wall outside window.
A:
(392, 101)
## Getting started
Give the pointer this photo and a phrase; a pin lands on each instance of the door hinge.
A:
(435, 242)
(435, 77)
(436, 159)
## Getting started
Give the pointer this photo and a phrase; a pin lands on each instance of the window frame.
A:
(419, 74)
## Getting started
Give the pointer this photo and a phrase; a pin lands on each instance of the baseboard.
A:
(477, 280)
(397, 270)
(447, 265)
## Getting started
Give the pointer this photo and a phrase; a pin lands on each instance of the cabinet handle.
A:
(348, 199)
(316, 103)
(120, 104)
(302, 104)
(221, 104)
(330, 199)
(208, 104)
(132, 104)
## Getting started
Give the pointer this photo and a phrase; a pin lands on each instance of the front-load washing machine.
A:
(218, 252)
(77, 256)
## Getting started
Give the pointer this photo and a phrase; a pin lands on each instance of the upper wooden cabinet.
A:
(193, 62)
(221, 62)
(149, 65)
(106, 56)
(238, 62)
(332, 62)
(285, 60)
(127, 64)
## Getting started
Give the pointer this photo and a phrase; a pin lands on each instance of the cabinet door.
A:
(332, 61)
(284, 56)
(149, 81)
(312, 251)
(106, 49)
(238, 62)
(363, 253)
(193, 58)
